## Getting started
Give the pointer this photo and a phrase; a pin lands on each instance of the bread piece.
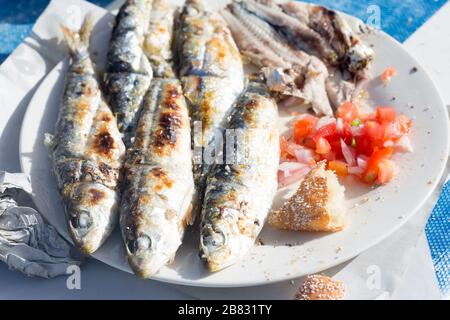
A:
(320, 287)
(318, 204)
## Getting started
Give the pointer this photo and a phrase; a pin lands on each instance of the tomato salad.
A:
(352, 143)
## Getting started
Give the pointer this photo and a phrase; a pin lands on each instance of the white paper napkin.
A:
(374, 274)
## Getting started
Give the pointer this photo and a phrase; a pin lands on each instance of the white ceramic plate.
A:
(374, 214)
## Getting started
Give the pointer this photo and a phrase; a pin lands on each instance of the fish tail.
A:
(77, 40)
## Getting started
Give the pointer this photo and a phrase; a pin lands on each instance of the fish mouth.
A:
(214, 250)
(141, 257)
(220, 259)
(146, 265)
(84, 240)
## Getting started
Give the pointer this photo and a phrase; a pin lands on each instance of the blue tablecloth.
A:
(398, 18)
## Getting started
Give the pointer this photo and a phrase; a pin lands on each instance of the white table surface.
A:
(430, 44)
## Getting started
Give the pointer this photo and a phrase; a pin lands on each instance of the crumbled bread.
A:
(320, 287)
(318, 204)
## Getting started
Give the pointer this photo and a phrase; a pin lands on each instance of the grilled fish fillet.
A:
(304, 50)
(239, 193)
(87, 149)
(332, 30)
(287, 70)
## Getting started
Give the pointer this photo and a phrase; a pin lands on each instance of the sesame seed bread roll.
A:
(320, 287)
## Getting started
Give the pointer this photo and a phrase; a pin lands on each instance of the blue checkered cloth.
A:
(398, 18)
(438, 235)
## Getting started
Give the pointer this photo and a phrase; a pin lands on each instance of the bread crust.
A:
(307, 209)
(320, 287)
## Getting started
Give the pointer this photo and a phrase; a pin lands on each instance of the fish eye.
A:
(215, 237)
(82, 221)
(143, 242)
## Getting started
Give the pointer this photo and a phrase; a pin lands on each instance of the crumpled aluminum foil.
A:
(27, 242)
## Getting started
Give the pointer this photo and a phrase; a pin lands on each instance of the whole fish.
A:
(287, 71)
(87, 149)
(239, 193)
(158, 185)
(158, 43)
(128, 71)
(212, 74)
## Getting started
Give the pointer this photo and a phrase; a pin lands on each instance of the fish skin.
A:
(239, 195)
(287, 70)
(158, 184)
(210, 100)
(158, 42)
(87, 150)
(126, 92)
(205, 44)
(128, 70)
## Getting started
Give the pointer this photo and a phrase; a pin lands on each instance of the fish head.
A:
(223, 243)
(150, 240)
(91, 213)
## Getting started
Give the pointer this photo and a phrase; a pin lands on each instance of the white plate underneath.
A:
(373, 214)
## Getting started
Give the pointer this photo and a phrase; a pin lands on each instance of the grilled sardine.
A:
(239, 193)
(87, 149)
(158, 184)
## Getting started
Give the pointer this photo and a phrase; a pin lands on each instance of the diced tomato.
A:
(353, 144)
(340, 167)
(303, 128)
(348, 111)
(368, 117)
(308, 143)
(386, 171)
(387, 74)
(372, 169)
(286, 150)
(330, 156)
(322, 146)
(386, 114)
(375, 132)
(363, 146)
(329, 132)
